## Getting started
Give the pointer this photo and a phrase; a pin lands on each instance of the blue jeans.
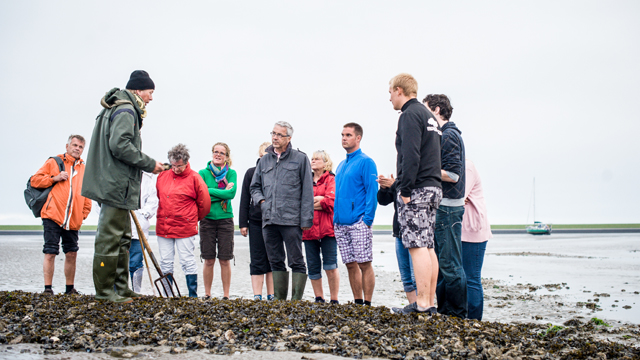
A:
(135, 256)
(405, 266)
(472, 258)
(451, 290)
(329, 248)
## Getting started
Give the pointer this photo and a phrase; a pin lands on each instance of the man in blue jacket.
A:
(354, 210)
(451, 290)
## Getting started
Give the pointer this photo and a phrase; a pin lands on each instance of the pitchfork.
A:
(166, 281)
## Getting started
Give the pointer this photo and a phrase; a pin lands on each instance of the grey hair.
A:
(179, 152)
(286, 125)
(73, 136)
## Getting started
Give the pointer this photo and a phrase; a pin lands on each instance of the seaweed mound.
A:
(82, 323)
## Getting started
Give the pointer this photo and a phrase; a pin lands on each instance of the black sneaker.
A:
(413, 308)
(319, 299)
(73, 292)
(47, 292)
(206, 297)
(225, 298)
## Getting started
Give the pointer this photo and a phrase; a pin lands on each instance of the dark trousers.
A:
(52, 235)
(276, 238)
(257, 251)
(451, 290)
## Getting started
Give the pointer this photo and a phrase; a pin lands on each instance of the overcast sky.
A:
(544, 89)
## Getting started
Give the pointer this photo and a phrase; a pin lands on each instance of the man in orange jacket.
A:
(64, 211)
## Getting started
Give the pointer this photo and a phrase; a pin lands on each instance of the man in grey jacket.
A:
(283, 186)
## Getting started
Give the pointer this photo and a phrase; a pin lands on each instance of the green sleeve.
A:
(121, 143)
(223, 194)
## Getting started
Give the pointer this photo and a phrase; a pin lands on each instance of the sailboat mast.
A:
(534, 199)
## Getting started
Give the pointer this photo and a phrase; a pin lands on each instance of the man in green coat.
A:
(112, 178)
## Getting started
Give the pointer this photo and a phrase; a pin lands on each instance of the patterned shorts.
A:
(418, 217)
(355, 242)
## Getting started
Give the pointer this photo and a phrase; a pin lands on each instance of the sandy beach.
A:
(527, 279)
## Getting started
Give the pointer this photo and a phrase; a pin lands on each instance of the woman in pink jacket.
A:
(476, 231)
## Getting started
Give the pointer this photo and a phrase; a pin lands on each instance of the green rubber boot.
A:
(104, 276)
(281, 284)
(298, 283)
(122, 274)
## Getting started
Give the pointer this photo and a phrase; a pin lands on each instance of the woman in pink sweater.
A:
(476, 231)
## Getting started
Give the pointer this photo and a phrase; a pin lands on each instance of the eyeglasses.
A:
(277, 135)
(219, 153)
(179, 166)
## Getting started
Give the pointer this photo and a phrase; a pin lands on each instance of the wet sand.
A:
(32, 351)
(598, 269)
(527, 279)
(544, 270)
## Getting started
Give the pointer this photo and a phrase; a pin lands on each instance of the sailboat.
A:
(538, 228)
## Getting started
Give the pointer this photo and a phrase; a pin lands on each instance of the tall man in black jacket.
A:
(452, 281)
(419, 187)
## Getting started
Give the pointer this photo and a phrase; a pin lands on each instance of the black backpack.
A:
(36, 198)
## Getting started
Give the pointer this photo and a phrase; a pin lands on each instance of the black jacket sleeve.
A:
(451, 154)
(245, 198)
(410, 131)
(387, 196)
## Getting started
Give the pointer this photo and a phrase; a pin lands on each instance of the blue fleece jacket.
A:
(356, 190)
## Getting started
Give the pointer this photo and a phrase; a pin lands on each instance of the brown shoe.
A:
(47, 292)
(73, 292)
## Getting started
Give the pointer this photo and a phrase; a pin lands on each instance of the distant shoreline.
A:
(386, 229)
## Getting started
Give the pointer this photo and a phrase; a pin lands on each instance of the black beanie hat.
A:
(140, 80)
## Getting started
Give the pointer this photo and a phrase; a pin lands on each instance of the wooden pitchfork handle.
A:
(142, 246)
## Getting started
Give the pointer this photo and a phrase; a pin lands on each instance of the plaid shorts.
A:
(355, 242)
(417, 218)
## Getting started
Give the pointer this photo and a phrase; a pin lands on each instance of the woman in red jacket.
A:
(321, 237)
(183, 201)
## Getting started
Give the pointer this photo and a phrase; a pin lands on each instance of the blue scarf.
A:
(221, 179)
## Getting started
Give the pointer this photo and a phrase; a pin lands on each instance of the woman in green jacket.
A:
(217, 229)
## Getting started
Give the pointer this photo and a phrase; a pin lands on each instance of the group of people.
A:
(432, 194)
(287, 200)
